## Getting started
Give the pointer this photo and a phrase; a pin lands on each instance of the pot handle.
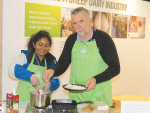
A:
(85, 102)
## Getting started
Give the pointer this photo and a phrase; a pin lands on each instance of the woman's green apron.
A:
(86, 62)
(24, 87)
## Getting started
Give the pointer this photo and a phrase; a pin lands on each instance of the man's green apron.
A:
(24, 87)
(86, 62)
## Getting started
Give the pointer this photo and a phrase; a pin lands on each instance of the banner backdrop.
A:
(57, 20)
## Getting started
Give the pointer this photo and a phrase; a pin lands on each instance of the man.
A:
(93, 57)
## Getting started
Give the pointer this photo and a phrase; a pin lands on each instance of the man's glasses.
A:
(73, 11)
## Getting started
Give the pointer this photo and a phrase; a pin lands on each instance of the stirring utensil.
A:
(38, 90)
(46, 86)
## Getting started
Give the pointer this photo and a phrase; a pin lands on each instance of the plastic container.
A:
(100, 107)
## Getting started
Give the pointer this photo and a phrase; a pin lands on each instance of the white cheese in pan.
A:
(75, 87)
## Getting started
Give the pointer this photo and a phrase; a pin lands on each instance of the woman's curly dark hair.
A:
(36, 37)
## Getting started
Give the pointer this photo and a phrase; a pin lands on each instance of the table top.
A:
(23, 105)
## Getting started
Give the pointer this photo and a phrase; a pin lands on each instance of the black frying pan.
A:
(66, 104)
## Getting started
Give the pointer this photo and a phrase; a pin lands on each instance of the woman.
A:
(30, 65)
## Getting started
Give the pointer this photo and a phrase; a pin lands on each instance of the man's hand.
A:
(91, 83)
(48, 74)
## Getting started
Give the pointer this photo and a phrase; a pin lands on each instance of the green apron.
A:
(86, 62)
(24, 87)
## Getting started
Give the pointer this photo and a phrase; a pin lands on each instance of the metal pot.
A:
(41, 100)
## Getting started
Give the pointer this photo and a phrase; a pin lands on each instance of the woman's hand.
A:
(35, 81)
(91, 83)
(46, 86)
(48, 74)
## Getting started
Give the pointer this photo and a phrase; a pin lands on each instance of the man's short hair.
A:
(80, 9)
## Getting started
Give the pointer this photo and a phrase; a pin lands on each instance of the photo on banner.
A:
(136, 27)
(119, 26)
(42, 17)
(66, 22)
(101, 21)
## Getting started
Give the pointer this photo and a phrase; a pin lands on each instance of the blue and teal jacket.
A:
(19, 65)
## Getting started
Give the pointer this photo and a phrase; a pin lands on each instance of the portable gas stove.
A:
(31, 109)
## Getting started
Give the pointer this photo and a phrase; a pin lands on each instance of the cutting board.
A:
(87, 108)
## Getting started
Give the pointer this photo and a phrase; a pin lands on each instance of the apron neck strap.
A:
(34, 56)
